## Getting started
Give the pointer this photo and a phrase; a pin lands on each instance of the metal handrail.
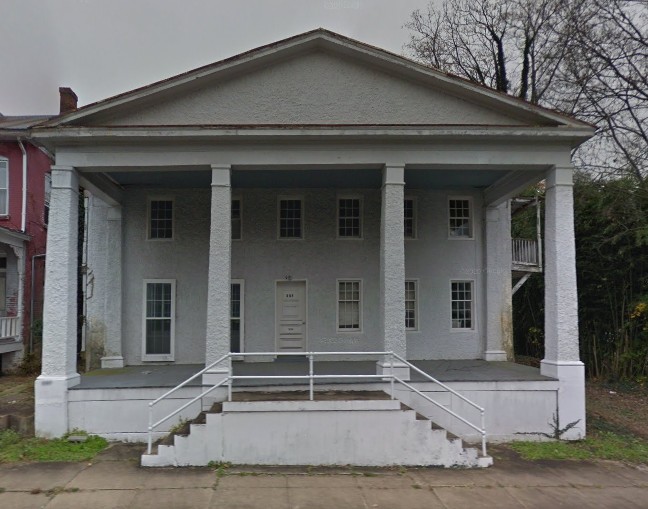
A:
(312, 377)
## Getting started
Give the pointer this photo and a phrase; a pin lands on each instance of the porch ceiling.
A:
(310, 178)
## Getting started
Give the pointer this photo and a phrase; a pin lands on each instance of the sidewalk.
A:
(115, 480)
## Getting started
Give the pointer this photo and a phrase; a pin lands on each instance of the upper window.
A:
(349, 306)
(350, 218)
(48, 194)
(411, 310)
(290, 219)
(159, 319)
(160, 225)
(460, 222)
(409, 218)
(236, 220)
(4, 187)
(462, 304)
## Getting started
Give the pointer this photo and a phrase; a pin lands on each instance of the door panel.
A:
(291, 316)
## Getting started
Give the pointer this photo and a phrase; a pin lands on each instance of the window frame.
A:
(416, 305)
(302, 223)
(471, 217)
(240, 200)
(47, 196)
(360, 218)
(6, 188)
(472, 306)
(170, 357)
(360, 305)
(151, 199)
(241, 317)
(414, 218)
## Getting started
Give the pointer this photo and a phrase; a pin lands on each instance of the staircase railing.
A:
(525, 252)
(311, 377)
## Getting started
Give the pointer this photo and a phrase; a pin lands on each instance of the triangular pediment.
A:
(318, 78)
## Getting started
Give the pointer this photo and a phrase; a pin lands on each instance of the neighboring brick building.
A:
(24, 198)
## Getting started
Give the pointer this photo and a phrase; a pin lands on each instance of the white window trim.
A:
(240, 200)
(303, 217)
(415, 209)
(337, 306)
(159, 357)
(358, 197)
(417, 316)
(472, 217)
(47, 198)
(6, 212)
(148, 217)
(473, 301)
(241, 318)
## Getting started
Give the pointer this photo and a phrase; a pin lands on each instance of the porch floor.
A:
(171, 375)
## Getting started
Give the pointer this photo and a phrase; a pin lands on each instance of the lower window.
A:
(411, 313)
(236, 316)
(462, 304)
(159, 319)
(349, 306)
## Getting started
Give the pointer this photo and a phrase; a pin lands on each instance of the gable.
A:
(315, 87)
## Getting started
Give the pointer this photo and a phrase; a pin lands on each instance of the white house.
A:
(313, 195)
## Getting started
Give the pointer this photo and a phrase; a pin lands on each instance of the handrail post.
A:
(391, 373)
(150, 429)
(311, 372)
(483, 427)
(230, 372)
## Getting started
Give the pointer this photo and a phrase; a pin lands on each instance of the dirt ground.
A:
(17, 395)
(623, 406)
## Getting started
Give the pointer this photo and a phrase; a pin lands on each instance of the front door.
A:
(291, 316)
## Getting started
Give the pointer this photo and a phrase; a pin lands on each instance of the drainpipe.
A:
(23, 218)
(31, 303)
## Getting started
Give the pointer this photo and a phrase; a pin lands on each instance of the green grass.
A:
(14, 447)
(603, 442)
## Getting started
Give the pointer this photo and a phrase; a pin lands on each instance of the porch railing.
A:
(525, 252)
(311, 377)
(9, 327)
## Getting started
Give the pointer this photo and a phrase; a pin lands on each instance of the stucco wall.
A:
(261, 260)
(330, 90)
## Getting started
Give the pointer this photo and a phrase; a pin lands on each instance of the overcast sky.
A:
(100, 48)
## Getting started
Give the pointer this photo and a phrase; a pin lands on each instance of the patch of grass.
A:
(600, 444)
(14, 447)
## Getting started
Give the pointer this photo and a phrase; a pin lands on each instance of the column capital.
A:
(560, 176)
(65, 177)
(221, 175)
(394, 174)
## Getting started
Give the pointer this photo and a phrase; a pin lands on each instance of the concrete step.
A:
(339, 429)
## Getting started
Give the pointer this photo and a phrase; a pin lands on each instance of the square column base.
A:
(400, 370)
(571, 395)
(51, 408)
(495, 356)
(112, 362)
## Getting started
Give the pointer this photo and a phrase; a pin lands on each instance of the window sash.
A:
(159, 319)
(237, 313)
(47, 196)
(460, 218)
(160, 225)
(290, 218)
(411, 310)
(349, 306)
(409, 218)
(4, 187)
(350, 218)
(462, 304)
(237, 224)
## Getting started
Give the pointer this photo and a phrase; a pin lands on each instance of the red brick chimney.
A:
(68, 100)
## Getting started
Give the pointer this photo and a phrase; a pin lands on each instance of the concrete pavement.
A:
(115, 480)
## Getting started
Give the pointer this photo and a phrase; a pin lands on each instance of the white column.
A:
(392, 268)
(59, 370)
(498, 303)
(561, 305)
(219, 275)
(113, 290)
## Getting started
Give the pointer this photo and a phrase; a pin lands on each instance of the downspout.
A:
(31, 303)
(23, 217)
